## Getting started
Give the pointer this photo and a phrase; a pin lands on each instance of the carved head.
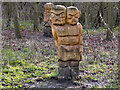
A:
(48, 6)
(47, 13)
(58, 15)
(73, 14)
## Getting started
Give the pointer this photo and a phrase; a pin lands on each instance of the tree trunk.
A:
(8, 15)
(15, 20)
(119, 47)
(109, 34)
(98, 18)
(119, 44)
(39, 9)
(117, 20)
(71, 3)
(101, 11)
(119, 56)
(35, 17)
(119, 32)
(86, 16)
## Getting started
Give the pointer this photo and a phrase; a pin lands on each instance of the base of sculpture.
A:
(68, 69)
(47, 31)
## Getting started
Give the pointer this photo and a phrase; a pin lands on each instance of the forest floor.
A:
(31, 62)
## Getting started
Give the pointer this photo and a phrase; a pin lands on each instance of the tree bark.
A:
(119, 44)
(15, 20)
(8, 15)
(86, 16)
(109, 34)
(39, 9)
(98, 18)
(71, 3)
(119, 47)
(101, 11)
(119, 32)
(35, 6)
(119, 56)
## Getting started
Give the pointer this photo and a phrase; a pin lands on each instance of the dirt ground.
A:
(94, 45)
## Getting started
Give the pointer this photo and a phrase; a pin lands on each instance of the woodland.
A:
(29, 59)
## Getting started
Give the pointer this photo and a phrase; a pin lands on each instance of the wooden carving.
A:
(67, 32)
(47, 13)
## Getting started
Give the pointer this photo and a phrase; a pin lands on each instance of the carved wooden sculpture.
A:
(67, 32)
(47, 13)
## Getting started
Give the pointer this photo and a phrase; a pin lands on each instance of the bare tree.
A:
(109, 34)
(9, 8)
(86, 16)
(15, 19)
(119, 46)
(119, 33)
(35, 17)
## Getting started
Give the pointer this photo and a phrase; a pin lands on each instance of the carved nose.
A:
(56, 17)
(73, 17)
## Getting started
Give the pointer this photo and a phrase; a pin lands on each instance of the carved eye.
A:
(62, 15)
(70, 15)
(57, 14)
(76, 16)
(69, 18)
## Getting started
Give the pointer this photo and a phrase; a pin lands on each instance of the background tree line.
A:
(94, 15)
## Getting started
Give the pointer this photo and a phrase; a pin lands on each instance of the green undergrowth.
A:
(30, 66)
(100, 30)
(18, 68)
(24, 25)
(94, 31)
(100, 70)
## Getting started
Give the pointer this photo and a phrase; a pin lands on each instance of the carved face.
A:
(58, 16)
(47, 13)
(72, 15)
(48, 6)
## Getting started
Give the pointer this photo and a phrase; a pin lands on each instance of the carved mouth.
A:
(74, 21)
(59, 20)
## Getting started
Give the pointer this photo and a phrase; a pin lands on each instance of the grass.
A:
(94, 31)
(99, 71)
(16, 70)
(29, 66)
(100, 30)
(24, 25)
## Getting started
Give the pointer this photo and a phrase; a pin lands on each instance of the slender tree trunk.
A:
(101, 11)
(117, 20)
(119, 56)
(8, 15)
(109, 34)
(71, 2)
(39, 12)
(15, 19)
(119, 32)
(119, 44)
(35, 16)
(86, 16)
(98, 18)
(119, 48)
